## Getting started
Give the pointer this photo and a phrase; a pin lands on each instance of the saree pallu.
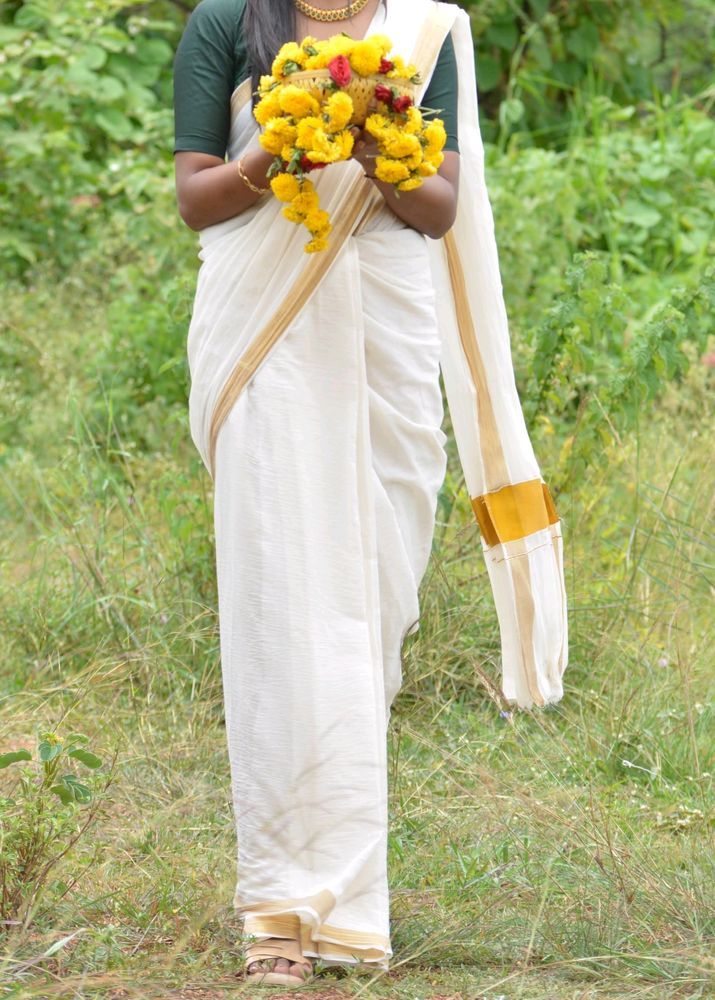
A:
(315, 405)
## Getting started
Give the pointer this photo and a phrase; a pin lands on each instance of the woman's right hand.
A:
(209, 190)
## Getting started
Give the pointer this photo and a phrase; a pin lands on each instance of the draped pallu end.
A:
(523, 549)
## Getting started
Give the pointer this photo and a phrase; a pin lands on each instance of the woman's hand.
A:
(209, 191)
(365, 150)
(431, 208)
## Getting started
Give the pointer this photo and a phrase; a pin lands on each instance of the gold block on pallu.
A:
(514, 511)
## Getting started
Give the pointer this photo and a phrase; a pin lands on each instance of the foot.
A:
(300, 969)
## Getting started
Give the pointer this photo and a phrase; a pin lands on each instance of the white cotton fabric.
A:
(327, 472)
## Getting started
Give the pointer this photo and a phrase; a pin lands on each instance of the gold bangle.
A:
(247, 180)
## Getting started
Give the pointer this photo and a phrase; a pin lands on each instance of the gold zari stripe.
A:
(514, 511)
(338, 942)
(295, 300)
(493, 458)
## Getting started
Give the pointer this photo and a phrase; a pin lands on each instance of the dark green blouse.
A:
(211, 61)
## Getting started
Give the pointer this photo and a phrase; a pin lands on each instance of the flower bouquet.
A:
(316, 91)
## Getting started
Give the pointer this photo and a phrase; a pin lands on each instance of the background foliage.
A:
(85, 97)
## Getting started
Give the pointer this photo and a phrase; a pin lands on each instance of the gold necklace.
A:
(338, 14)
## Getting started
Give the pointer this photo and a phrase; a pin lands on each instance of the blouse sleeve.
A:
(442, 93)
(204, 75)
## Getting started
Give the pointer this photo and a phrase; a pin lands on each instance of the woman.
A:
(315, 404)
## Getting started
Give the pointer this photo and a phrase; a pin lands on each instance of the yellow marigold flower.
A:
(402, 70)
(435, 135)
(268, 107)
(282, 127)
(285, 187)
(376, 125)
(339, 45)
(292, 214)
(315, 245)
(414, 120)
(383, 43)
(273, 139)
(307, 127)
(413, 162)
(339, 108)
(399, 145)
(330, 149)
(436, 159)
(390, 171)
(426, 169)
(290, 52)
(410, 185)
(365, 57)
(318, 222)
(398, 69)
(307, 201)
(345, 142)
(297, 102)
(316, 62)
(321, 149)
(266, 83)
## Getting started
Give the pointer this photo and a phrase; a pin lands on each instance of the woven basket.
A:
(361, 89)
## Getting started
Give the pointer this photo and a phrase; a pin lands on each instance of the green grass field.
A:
(562, 854)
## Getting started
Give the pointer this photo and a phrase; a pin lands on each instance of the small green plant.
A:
(40, 820)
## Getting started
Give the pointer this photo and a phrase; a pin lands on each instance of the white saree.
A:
(315, 405)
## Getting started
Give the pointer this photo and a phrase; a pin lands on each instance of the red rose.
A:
(307, 165)
(384, 94)
(401, 104)
(386, 65)
(340, 70)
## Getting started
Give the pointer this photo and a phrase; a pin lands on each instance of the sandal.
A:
(273, 948)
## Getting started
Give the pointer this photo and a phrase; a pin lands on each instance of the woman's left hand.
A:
(431, 208)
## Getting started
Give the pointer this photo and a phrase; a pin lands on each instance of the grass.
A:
(565, 853)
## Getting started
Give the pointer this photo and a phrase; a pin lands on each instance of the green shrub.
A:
(85, 116)
(535, 56)
(39, 819)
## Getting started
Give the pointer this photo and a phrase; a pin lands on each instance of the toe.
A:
(261, 965)
(300, 969)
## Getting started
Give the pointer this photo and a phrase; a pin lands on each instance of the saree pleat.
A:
(327, 474)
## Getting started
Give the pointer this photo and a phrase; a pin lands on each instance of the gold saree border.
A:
(493, 459)
(514, 511)
(296, 298)
(525, 607)
(240, 96)
(327, 940)
(504, 513)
